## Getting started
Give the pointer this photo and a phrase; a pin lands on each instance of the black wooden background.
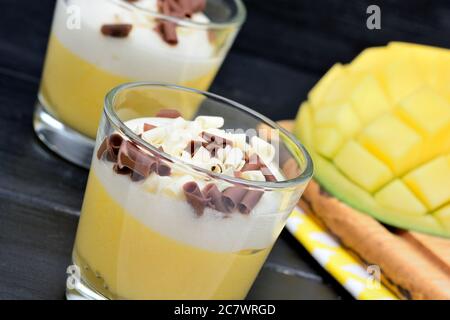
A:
(283, 49)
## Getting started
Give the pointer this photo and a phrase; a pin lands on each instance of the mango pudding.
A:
(117, 43)
(95, 46)
(153, 228)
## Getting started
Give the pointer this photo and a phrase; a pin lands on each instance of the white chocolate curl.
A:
(253, 175)
(215, 165)
(239, 140)
(263, 149)
(210, 122)
(234, 157)
(202, 158)
(175, 188)
(155, 136)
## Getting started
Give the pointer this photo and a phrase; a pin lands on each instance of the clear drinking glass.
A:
(141, 239)
(97, 45)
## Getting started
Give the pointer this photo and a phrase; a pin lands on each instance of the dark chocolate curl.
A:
(195, 197)
(122, 171)
(233, 196)
(134, 159)
(168, 113)
(114, 143)
(249, 202)
(120, 30)
(215, 198)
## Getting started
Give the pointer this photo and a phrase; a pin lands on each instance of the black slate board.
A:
(283, 49)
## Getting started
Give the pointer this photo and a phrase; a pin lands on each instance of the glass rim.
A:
(112, 116)
(237, 20)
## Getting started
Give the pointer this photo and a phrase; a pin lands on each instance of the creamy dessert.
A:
(111, 42)
(154, 228)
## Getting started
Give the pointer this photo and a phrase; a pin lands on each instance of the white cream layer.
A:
(172, 216)
(143, 55)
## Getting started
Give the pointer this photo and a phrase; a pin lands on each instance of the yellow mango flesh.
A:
(379, 132)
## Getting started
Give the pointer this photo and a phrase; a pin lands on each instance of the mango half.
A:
(378, 130)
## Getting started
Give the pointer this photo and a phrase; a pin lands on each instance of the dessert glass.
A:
(142, 239)
(85, 61)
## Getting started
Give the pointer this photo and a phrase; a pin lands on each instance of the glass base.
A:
(82, 292)
(61, 139)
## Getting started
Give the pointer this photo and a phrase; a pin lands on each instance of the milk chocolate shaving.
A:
(102, 149)
(111, 145)
(122, 171)
(168, 113)
(215, 198)
(162, 169)
(253, 163)
(148, 127)
(135, 160)
(233, 196)
(268, 174)
(195, 197)
(250, 200)
(119, 30)
(168, 31)
(179, 9)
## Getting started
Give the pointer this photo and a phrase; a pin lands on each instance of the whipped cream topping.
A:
(203, 143)
(143, 54)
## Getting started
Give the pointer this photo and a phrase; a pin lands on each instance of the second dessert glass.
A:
(141, 237)
(97, 45)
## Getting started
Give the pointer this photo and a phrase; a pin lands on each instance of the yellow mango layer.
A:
(74, 89)
(122, 258)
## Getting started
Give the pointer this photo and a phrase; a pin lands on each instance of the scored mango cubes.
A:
(381, 128)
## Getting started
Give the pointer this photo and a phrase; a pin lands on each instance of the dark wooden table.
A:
(284, 48)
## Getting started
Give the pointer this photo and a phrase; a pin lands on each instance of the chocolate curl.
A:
(168, 31)
(139, 163)
(102, 149)
(120, 30)
(195, 197)
(233, 196)
(253, 163)
(163, 169)
(268, 174)
(122, 171)
(148, 127)
(114, 143)
(197, 5)
(249, 202)
(168, 113)
(215, 198)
